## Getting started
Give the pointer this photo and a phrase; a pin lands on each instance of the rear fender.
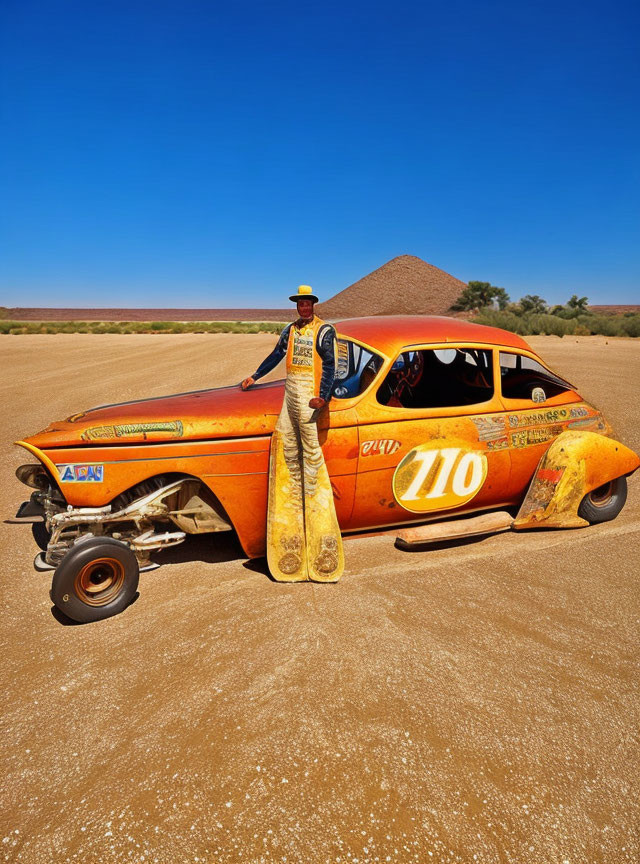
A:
(575, 464)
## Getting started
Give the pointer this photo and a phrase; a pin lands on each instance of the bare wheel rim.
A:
(100, 581)
(601, 496)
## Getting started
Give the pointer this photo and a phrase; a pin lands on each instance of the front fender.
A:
(575, 464)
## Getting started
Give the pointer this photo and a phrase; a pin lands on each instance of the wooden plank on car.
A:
(488, 523)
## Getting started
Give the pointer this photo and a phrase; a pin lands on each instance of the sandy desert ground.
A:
(470, 704)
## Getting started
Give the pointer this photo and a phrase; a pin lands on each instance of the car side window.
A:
(438, 378)
(356, 368)
(524, 378)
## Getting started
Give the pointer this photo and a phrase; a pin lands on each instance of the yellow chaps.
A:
(303, 537)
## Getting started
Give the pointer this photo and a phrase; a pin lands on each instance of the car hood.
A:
(224, 412)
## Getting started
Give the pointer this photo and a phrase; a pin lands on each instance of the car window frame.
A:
(570, 395)
(401, 413)
(343, 404)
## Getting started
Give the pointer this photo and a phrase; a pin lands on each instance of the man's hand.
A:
(248, 382)
(317, 402)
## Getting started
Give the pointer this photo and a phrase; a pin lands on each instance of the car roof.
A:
(390, 333)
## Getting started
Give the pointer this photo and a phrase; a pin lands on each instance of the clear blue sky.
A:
(185, 153)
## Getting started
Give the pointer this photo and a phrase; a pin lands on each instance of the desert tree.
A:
(478, 295)
(579, 304)
(533, 303)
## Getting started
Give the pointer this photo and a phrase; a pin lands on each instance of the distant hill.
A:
(405, 284)
(61, 314)
(614, 310)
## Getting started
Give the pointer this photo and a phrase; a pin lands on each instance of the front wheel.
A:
(96, 579)
(41, 534)
(605, 502)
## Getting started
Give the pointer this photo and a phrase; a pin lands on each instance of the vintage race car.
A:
(431, 418)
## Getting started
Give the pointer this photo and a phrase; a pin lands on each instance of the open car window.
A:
(525, 378)
(356, 368)
(438, 378)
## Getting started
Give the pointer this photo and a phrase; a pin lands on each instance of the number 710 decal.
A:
(437, 476)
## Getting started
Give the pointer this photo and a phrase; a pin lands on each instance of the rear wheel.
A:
(96, 579)
(605, 502)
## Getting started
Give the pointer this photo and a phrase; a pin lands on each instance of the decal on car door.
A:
(439, 475)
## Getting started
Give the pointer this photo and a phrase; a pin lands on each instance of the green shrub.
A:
(606, 325)
(550, 325)
(22, 327)
(584, 324)
(504, 320)
(631, 325)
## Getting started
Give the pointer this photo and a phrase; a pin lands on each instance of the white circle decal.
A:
(436, 477)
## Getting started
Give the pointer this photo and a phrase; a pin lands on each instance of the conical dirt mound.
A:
(404, 285)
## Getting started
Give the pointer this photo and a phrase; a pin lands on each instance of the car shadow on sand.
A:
(212, 549)
(206, 548)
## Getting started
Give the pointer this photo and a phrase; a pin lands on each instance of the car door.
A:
(356, 369)
(427, 448)
(338, 436)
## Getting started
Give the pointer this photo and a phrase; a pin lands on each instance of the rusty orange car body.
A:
(398, 447)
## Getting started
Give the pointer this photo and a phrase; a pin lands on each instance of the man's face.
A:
(305, 309)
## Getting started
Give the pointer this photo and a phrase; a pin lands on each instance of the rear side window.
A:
(438, 378)
(524, 378)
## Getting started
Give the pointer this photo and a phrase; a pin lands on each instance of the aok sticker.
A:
(540, 418)
(434, 476)
(81, 473)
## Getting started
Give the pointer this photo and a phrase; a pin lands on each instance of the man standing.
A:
(303, 536)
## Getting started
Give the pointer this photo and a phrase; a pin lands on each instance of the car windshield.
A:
(355, 370)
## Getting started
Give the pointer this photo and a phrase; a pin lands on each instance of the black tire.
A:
(41, 535)
(605, 502)
(97, 578)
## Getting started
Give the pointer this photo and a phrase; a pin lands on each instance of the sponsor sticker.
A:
(81, 473)
(531, 437)
(593, 423)
(342, 367)
(173, 428)
(490, 428)
(541, 418)
(380, 447)
(580, 411)
(302, 349)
